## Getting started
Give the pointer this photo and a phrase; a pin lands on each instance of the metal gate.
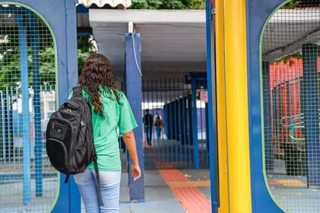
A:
(176, 136)
(28, 183)
(291, 106)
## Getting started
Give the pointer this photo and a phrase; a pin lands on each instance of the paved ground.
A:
(11, 196)
(169, 190)
(160, 198)
(200, 175)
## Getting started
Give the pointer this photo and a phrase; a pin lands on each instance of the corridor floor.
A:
(175, 191)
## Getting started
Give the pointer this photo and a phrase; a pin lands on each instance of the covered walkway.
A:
(171, 46)
(267, 109)
(177, 191)
(160, 64)
(173, 55)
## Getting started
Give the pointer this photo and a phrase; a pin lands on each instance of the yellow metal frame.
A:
(221, 108)
(233, 122)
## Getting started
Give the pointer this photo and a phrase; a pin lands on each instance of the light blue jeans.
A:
(110, 190)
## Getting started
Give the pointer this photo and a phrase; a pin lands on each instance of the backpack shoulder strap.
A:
(98, 182)
(67, 179)
(77, 91)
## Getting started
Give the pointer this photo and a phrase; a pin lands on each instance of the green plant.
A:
(288, 59)
(169, 4)
(10, 66)
(292, 4)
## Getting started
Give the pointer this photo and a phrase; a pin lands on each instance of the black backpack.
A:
(69, 137)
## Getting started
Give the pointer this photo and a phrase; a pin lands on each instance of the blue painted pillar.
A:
(23, 48)
(134, 94)
(183, 120)
(269, 149)
(176, 120)
(211, 106)
(207, 128)
(35, 40)
(9, 125)
(195, 123)
(275, 109)
(72, 72)
(310, 101)
(165, 119)
(168, 122)
(172, 119)
(3, 126)
(189, 118)
(180, 120)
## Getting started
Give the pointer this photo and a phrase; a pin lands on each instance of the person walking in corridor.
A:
(159, 124)
(110, 110)
(148, 125)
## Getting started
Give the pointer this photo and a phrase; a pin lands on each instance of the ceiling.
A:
(173, 43)
(169, 48)
(288, 30)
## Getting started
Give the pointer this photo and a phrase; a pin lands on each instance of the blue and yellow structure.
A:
(243, 183)
(239, 182)
(232, 107)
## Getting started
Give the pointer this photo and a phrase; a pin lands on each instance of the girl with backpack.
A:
(110, 110)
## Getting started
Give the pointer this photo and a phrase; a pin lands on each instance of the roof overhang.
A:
(147, 16)
(173, 41)
(101, 3)
(278, 41)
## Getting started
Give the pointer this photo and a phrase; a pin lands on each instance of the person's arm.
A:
(130, 142)
(126, 124)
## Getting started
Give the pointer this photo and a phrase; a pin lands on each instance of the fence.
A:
(11, 131)
(175, 123)
(27, 64)
(290, 82)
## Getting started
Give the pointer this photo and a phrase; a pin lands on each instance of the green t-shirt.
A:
(105, 132)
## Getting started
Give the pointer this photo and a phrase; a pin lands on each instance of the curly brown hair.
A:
(97, 71)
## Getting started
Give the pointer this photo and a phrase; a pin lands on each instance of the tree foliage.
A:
(289, 59)
(292, 4)
(10, 70)
(169, 4)
(85, 44)
(295, 4)
(85, 48)
(82, 56)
